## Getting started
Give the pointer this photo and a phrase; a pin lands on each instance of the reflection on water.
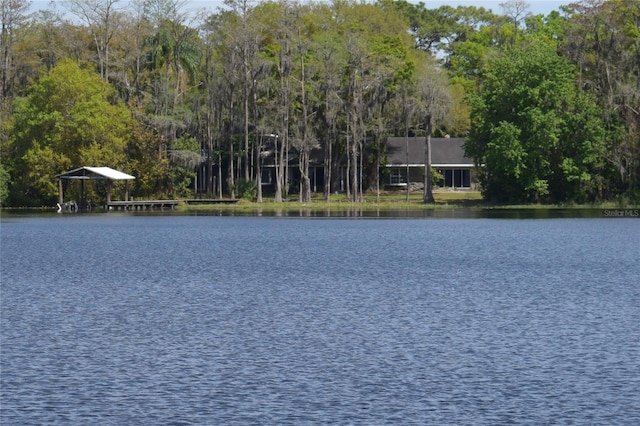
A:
(128, 319)
(361, 212)
(355, 212)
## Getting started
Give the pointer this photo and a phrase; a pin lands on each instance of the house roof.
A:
(95, 173)
(445, 152)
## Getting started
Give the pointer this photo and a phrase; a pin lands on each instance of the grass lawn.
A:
(338, 202)
(393, 200)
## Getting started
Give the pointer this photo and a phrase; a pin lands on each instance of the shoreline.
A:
(444, 200)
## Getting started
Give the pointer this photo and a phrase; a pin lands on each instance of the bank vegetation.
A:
(186, 100)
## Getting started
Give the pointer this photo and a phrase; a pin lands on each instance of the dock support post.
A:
(60, 195)
(108, 185)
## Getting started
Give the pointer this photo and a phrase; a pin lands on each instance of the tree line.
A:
(199, 101)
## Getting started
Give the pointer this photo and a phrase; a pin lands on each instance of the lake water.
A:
(112, 319)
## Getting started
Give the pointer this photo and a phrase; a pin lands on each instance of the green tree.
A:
(436, 104)
(4, 184)
(603, 39)
(101, 18)
(12, 15)
(70, 118)
(328, 56)
(538, 137)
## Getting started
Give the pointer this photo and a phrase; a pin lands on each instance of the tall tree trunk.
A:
(428, 191)
(378, 169)
(305, 182)
(280, 157)
(354, 140)
(259, 170)
(360, 171)
(347, 174)
(354, 169)
(327, 166)
(276, 165)
(246, 132)
(281, 167)
(210, 145)
(406, 161)
(232, 182)
(285, 187)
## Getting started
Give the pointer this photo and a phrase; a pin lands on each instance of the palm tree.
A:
(176, 49)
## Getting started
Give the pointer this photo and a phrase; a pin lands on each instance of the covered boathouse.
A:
(92, 173)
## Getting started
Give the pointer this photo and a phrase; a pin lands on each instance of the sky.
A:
(535, 6)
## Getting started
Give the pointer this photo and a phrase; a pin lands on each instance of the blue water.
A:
(185, 320)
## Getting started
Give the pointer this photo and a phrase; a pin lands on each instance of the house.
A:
(447, 157)
(400, 154)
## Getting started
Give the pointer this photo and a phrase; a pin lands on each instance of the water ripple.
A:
(241, 321)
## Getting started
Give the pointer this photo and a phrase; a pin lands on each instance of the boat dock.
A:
(162, 204)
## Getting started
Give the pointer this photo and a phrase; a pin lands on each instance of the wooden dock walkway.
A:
(162, 204)
(209, 201)
(141, 204)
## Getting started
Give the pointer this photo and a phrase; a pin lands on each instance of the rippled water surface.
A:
(118, 319)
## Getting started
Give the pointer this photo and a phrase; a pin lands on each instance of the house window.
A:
(448, 178)
(397, 177)
(457, 178)
(266, 176)
(466, 178)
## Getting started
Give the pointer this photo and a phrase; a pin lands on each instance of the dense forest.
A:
(193, 102)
